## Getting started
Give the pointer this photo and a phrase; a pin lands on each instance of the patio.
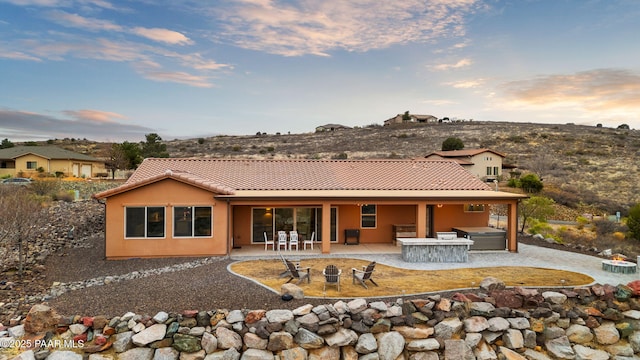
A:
(336, 249)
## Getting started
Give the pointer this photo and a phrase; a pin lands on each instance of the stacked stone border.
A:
(591, 322)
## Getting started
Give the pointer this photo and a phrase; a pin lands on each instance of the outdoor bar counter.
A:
(435, 250)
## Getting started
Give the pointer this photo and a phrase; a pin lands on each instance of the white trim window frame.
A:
(192, 221)
(145, 222)
(368, 216)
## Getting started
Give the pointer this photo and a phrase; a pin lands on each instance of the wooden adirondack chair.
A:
(298, 272)
(331, 276)
(286, 271)
(363, 275)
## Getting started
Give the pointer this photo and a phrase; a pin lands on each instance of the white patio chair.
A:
(293, 240)
(268, 242)
(306, 242)
(282, 240)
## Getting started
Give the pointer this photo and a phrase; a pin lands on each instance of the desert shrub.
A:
(200, 141)
(605, 228)
(540, 227)
(618, 235)
(236, 148)
(582, 221)
(67, 196)
(514, 183)
(515, 174)
(45, 187)
(531, 183)
(566, 196)
(271, 149)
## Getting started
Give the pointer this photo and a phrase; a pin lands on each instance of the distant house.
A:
(486, 164)
(331, 127)
(398, 119)
(205, 207)
(28, 161)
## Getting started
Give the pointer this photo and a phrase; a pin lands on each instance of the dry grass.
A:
(396, 281)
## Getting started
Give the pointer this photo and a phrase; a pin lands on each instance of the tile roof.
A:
(464, 153)
(225, 176)
(47, 152)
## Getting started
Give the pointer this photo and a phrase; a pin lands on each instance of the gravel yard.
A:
(206, 287)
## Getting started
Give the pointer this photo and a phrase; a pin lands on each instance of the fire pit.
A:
(617, 265)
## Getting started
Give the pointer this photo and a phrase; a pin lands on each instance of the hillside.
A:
(579, 164)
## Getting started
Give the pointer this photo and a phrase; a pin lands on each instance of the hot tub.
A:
(484, 238)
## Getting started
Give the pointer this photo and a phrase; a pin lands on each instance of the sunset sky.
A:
(116, 70)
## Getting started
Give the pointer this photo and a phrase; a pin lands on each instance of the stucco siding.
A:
(168, 194)
(450, 216)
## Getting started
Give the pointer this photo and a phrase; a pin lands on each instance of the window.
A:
(488, 170)
(474, 207)
(192, 221)
(368, 216)
(144, 222)
(495, 170)
(32, 165)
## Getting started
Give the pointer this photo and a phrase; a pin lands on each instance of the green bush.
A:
(531, 183)
(452, 143)
(633, 222)
(540, 227)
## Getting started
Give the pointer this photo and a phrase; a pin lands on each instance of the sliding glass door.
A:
(304, 220)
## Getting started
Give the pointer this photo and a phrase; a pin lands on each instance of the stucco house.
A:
(486, 164)
(206, 207)
(28, 161)
(398, 119)
(331, 127)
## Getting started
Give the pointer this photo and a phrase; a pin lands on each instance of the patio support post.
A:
(326, 228)
(512, 227)
(421, 219)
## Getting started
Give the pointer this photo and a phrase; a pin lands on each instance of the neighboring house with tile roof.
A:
(29, 161)
(486, 164)
(205, 207)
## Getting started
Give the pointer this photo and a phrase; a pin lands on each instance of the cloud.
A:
(599, 90)
(439, 102)
(96, 116)
(76, 21)
(44, 3)
(178, 77)
(16, 55)
(318, 27)
(457, 65)
(466, 84)
(93, 24)
(23, 125)
(162, 35)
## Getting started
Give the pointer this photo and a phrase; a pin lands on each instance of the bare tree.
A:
(117, 159)
(20, 215)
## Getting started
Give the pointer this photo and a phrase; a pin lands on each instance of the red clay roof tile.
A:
(226, 175)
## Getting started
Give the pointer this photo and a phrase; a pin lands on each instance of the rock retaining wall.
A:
(595, 322)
